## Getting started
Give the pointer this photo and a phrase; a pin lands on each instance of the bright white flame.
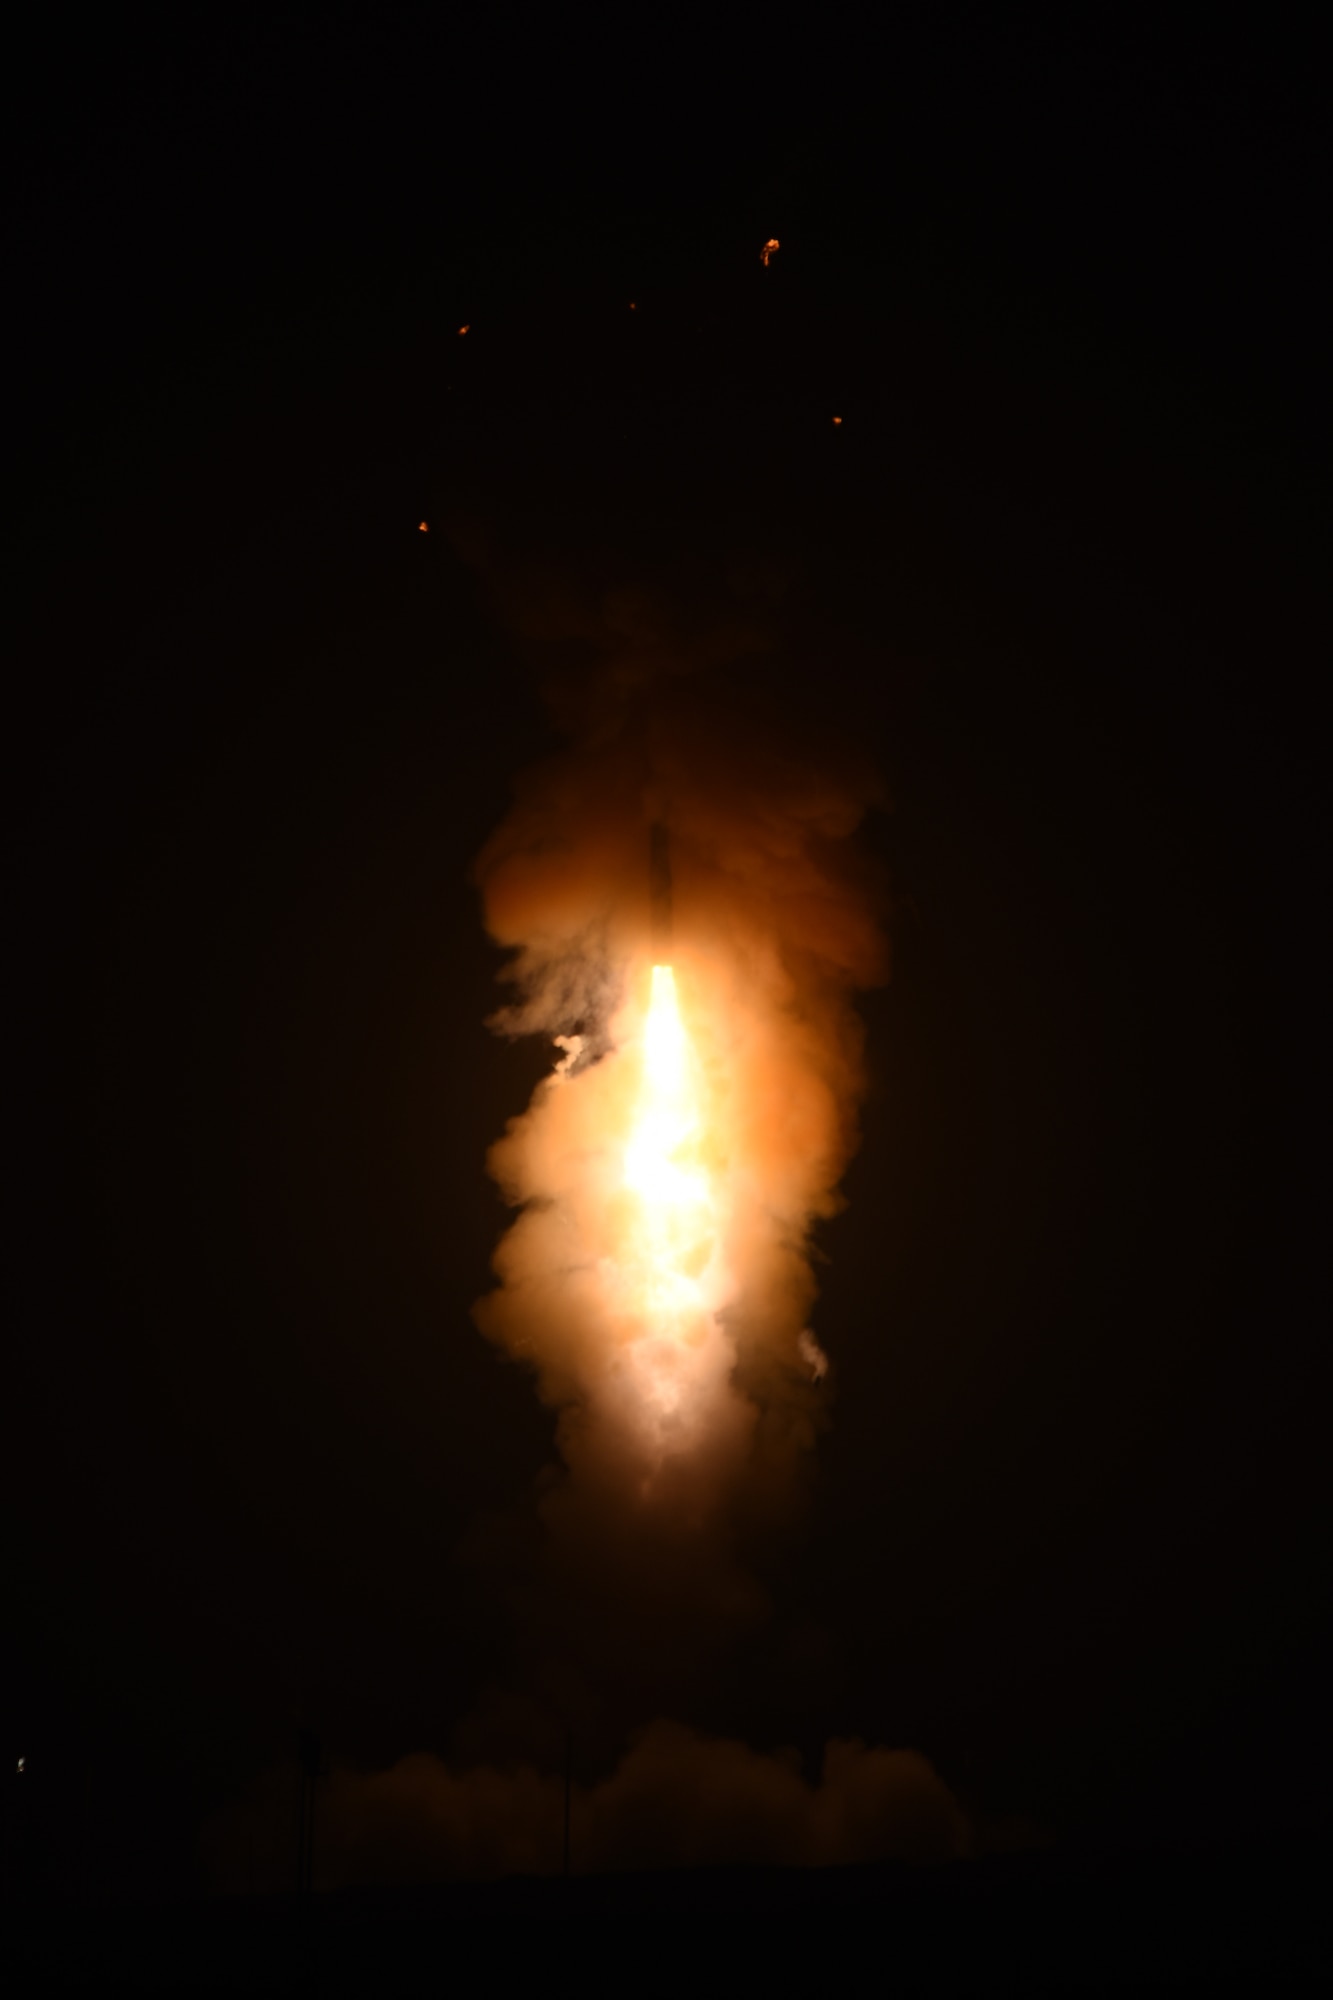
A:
(670, 1271)
(668, 1120)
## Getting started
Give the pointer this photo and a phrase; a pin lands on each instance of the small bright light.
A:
(22, 1762)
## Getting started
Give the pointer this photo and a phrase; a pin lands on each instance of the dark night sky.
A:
(1063, 567)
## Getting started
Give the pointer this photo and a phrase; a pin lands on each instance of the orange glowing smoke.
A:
(622, 1276)
(768, 249)
(670, 1169)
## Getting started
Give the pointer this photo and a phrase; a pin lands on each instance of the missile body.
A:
(659, 879)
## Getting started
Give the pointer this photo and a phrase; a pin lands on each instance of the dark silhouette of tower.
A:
(308, 1772)
(659, 879)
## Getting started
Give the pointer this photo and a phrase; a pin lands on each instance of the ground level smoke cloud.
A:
(677, 1799)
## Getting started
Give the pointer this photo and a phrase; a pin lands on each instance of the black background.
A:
(1062, 566)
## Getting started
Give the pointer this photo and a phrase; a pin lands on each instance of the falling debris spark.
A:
(837, 420)
(423, 527)
(768, 249)
(464, 329)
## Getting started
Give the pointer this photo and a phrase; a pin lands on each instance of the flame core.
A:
(675, 1227)
(668, 1265)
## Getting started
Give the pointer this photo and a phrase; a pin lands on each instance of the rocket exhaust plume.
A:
(671, 1169)
(690, 914)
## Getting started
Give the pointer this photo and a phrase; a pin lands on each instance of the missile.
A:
(659, 882)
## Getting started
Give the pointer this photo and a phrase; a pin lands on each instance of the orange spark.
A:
(837, 420)
(463, 329)
(423, 528)
(768, 249)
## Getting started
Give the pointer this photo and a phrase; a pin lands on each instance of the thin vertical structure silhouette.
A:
(569, 1773)
(659, 878)
(308, 1771)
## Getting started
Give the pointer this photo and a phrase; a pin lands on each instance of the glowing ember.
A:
(423, 528)
(768, 249)
(465, 329)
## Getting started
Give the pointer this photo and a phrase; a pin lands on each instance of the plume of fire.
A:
(766, 253)
(668, 1262)
(669, 1171)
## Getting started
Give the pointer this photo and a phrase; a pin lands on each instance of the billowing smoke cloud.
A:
(690, 1394)
(689, 1390)
(778, 920)
(677, 1799)
(668, 1176)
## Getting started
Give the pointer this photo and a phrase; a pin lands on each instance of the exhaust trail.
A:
(671, 1170)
